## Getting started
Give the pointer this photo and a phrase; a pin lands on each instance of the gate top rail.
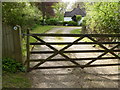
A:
(74, 35)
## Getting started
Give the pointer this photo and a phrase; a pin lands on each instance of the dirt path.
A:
(96, 77)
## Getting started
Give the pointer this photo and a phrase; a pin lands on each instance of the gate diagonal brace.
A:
(57, 52)
(106, 51)
(100, 56)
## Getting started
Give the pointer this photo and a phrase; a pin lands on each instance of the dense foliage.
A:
(28, 14)
(11, 65)
(70, 23)
(59, 9)
(20, 13)
(103, 17)
(46, 9)
(78, 17)
(52, 21)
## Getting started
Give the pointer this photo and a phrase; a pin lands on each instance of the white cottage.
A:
(76, 11)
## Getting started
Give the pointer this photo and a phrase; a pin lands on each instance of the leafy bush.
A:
(41, 22)
(25, 14)
(65, 22)
(52, 21)
(78, 17)
(11, 65)
(83, 22)
(60, 23)
(103, 17)
(72, 23)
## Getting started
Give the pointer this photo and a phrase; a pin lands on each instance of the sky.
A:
(71, 2)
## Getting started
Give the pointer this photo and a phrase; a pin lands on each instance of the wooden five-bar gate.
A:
(62, 51)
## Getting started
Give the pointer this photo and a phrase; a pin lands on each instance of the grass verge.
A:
(36, 29)
(15, 80)
(40, 29)
(59, 32)
(78, 31)
(75, 31)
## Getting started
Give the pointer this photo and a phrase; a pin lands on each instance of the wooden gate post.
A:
(0, 46)
(17, 45)
(28, 52)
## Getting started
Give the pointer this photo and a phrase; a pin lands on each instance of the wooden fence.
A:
(11, 43)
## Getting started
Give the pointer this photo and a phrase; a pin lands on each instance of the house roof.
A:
(75, 11)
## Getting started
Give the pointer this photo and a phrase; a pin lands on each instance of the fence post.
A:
(17, 45)
(0, 32)
(28, 52)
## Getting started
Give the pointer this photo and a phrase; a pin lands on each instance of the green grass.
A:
(41, 29)
(59, 32)
(15, 80)
(36, 29)
(75, 31)
(78, 31)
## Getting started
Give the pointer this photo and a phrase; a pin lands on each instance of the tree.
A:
(20, 13)
(46, 9)
(103, 17)
(78, 17)
(59, 9)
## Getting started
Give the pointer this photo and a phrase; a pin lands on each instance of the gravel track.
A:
(93, 77)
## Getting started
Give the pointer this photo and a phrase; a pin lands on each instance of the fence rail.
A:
(64, 43)
(74, 35)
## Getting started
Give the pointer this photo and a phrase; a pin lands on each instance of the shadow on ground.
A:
(73, 78)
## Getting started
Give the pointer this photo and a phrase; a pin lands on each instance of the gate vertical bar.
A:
(28, 52)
